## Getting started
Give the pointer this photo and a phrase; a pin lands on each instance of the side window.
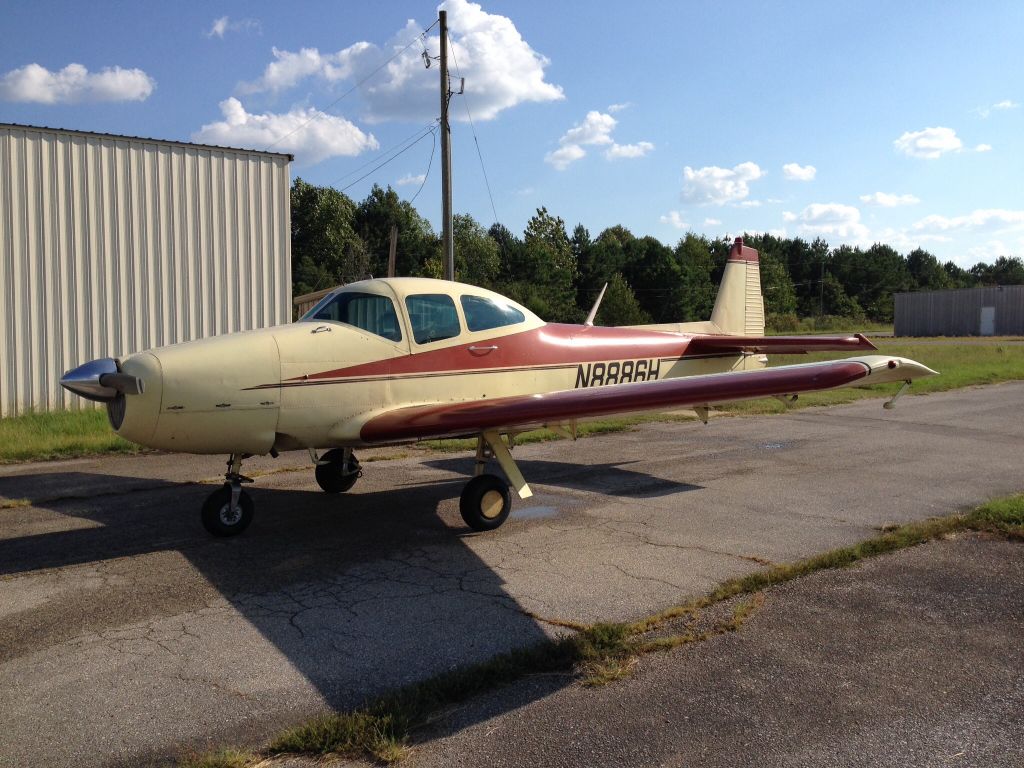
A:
(483, 314)
(433, 317)
(367, 311)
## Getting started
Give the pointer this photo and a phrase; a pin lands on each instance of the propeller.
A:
(101, 380)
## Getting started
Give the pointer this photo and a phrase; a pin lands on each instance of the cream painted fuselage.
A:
(316, 383)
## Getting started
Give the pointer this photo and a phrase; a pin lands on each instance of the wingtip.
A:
(865, 341)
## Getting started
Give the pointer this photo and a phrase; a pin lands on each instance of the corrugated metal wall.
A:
(958, 312)
(111, 245)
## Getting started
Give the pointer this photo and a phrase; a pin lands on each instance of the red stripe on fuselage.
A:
(551, 344)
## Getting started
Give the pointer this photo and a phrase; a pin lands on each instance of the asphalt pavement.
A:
(913, 659)
(128, 635)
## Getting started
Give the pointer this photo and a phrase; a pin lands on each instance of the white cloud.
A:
(981, 219)
(675, 218)
(595, 130)
(73, 84)
(410, 179)
(887, 200)
(219, 27)
(712, 222)
(613, 108)
(289, 69)
(223, 25)
(718, 186)
(989, 251)
(983, 148)
(618, 151)
(750, 204)
(500, 67)
(835, 219)
(797, 172)
(309, 134)
(998, 106)
(563, 157)
(929, 143)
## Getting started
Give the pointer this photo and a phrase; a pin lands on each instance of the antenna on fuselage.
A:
(597, 304)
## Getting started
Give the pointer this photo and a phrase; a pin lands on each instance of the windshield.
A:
(366, 311)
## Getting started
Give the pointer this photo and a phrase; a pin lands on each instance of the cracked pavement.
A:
(128, 635)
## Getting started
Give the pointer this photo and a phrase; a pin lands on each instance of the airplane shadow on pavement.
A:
(360, 592)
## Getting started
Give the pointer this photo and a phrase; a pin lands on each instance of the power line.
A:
(430, 162)
(418, 133)
(389, 160)
(316, 115)
(479, 154)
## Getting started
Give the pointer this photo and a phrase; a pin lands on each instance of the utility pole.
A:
(447, 237)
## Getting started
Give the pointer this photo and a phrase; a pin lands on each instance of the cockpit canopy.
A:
(421, 310)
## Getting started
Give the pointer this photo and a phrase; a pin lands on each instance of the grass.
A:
(786, 325)
(596, 654)
(59, 435)
(66, 434)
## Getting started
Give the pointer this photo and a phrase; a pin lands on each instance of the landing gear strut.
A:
(229, 510)
(486, 501)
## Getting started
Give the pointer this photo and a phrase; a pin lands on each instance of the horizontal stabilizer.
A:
(779, 345)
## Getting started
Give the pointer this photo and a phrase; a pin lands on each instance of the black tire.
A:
(480, 499)
(218, 520)
(334, 476)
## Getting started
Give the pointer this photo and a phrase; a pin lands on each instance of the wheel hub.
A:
(230, 515)
(491, 504)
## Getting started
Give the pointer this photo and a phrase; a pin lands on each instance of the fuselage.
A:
(372, 347)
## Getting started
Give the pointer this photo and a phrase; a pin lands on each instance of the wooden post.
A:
(393, 250)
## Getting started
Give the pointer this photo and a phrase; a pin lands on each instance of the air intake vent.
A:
(115, 412)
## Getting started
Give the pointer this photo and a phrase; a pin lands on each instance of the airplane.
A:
(397, 360)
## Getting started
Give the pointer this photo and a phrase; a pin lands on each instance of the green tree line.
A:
(558, 274)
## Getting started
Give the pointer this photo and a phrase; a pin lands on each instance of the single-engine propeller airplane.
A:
(389, 361)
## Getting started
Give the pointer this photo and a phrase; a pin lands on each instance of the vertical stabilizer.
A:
(739, 307)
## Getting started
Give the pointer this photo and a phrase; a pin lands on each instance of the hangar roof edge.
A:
(146, 139)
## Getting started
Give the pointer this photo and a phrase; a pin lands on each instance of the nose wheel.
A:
(229, 510)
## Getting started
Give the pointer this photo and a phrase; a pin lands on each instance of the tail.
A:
(739, 307)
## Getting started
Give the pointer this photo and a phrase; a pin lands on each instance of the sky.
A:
(858, 122)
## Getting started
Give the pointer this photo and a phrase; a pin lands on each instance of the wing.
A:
(524, 411)
(789, 345)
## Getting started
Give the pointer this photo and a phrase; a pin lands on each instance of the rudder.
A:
(739, 306)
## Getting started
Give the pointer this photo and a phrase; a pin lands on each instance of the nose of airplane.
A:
(101, 380)
(130, 388)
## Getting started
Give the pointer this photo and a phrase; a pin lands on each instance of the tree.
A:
(1004, 271)
(326, 250)
(550, 267)
(650, 267)
(926, 271)
(417, 242)
(619, 306)
(694, 297)
(871, 277)
(477, 260)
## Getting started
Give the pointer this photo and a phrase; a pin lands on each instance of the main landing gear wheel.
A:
(485, 502)
(338, 470)
(221, 518)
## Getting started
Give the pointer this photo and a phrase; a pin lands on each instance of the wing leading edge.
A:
(523, 411)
